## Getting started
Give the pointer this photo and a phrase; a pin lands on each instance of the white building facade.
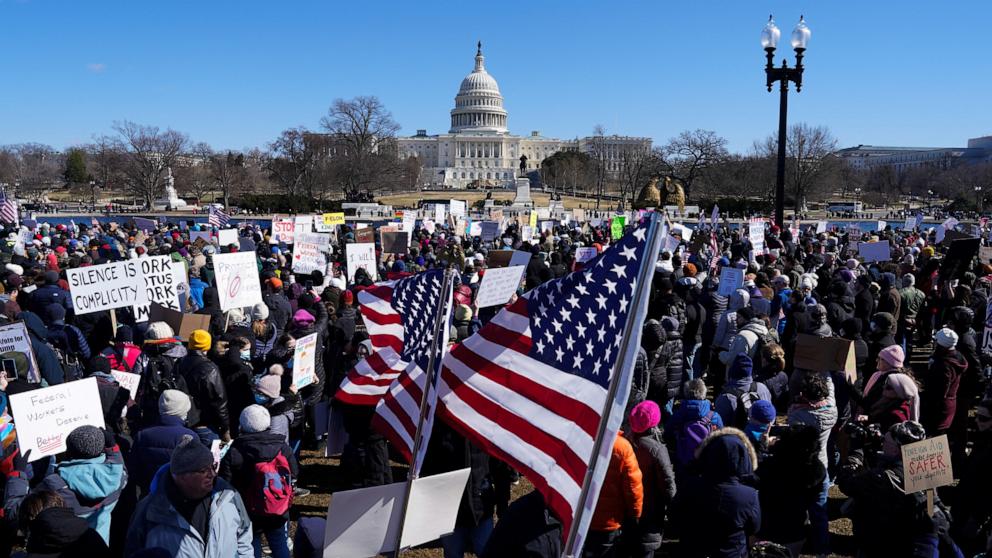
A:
(478, 149)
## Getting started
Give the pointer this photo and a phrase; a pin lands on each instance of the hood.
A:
(756, 328)
(738, 299)
(54, 530)
(740, 369)
(952, 359)
(93, 479)
(695, 409)
(34, 325)
(653, 336)
(725, 455)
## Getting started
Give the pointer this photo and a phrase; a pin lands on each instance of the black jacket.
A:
(206, 389)
(57, 531)
(279, 309)
(48, 362)
(237, 376)
(450, 451)
(528, 529)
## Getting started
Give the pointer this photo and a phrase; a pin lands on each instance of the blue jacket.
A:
(726, 402)
(157, 524)
(691, 410)
(196, 286)
(50, 294)
(153, 448)
(48, 362)
(90, 487)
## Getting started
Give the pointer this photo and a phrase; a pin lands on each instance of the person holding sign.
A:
(887, 521)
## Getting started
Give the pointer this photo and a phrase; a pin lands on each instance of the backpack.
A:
(691, 435)
(71, 367)
(745, 399)
(271, 491)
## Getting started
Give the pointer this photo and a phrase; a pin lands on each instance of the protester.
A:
(657, 477)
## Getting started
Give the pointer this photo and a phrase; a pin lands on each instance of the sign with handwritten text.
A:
(45, 416)
(926, 464)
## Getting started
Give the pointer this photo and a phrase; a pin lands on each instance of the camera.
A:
(864, 435)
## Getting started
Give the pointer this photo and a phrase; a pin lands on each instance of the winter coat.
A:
(319, 326)
(726, 402)
(939, 397)
(839, 308)
(58, 532)
(158, 364)
(280, 310)
(889, 301)
(283, 411)
(238, 465)
(717, 509)
(689, 411)
(786, 489)
(50, 294)
(450, 451)
(206, 389)
(196, 288)
(715, 305)
(264, 344)
(668, 304)
(822, 416)
(658, 479)
(237, 375)
(157, 524)
(528, 529)
(913, 300)
(972, 505)
(90, 487)
(665, 364)
(745, 342)
(622, 494)
(153, 448)
(726, 327)
(695, 317)
(48, 361)
(69, 340)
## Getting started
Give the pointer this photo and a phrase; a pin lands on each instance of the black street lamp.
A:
(784, 74)
(981, 200)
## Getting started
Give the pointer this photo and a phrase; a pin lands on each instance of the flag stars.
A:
(559, 354)
(591, 316)
(540, 346)
(581, 330)
(629, 252)
(623, 304)
(574, 301)
(613, 319)
(595, 367)
(620, 271)
(610, 286)
(557, 325)
(569, 342)
(577, 362)
(602, 300)
(566, 315)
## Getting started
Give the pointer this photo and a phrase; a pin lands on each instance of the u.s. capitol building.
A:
(479, 149)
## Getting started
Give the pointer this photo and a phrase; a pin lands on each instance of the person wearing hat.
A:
(206, 387)
(760, 417)
(67, 338)
(942, 379)
(265, 333)
(89, 478)
(258, 444)
(190, 511)
(153, 445)
(160, 352)
(50, 293)
(657, 476)
(280, 310)
(123, 354)
(888, 521)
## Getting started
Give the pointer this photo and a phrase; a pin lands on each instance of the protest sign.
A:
(159, 284)
(585, 253)
(985, 254)
(527, 233)
(670, 244)
(361, 255)
(14, 339)
(505, 258)
(457, 208)
(365, 235)
(308, 257)
(731, 279)
(547, 226)
(140, 223)
(302, 224)
(226, 237)
(498, 285)
(283, 230)
(683, 231)
(322, 240)
(824, 354)
(616, 226)
(489, 230)
(237, 280)
(958, 258)
(950, 223)
(107, 286)
(439, 213)
(948, 236)
(821, 227)
(409, 222)
(332, 219)
(365, 521)
(854, 232)
(395, 242)
(532, 220)
(910, 223)
(45, 416)
(128, 381)
(159, 313)
(191, 323)
(200, 235)
(874, 251)
(475, 228)
(304, 369)
(881, 225)
(429, 226)
(926, 465)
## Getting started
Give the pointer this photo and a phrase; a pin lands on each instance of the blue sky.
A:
(234, 74)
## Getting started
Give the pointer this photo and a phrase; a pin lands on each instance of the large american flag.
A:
(8, 209)
(532, 385)
(217, 217)
(400, 317)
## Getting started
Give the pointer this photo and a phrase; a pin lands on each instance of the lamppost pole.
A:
(784, 74)
(981, 200)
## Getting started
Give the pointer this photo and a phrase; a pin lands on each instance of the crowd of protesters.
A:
(728, 447)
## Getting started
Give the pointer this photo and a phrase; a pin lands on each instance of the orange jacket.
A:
(622, 495)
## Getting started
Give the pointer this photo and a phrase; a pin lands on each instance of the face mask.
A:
(261, 399)
(246, 355)
(289, 364)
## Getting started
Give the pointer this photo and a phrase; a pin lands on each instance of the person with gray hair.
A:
(190, 511)
(153, 446)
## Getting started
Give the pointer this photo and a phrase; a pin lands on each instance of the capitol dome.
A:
(479, 104)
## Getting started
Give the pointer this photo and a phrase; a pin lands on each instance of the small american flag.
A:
(217, 217)
(8, 209)
(532, 387)
(400, 317)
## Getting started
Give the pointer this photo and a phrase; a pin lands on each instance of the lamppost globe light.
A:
(800, 35)
(770, 34)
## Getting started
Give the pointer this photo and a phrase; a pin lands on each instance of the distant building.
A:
(478, 149)
(902, 159)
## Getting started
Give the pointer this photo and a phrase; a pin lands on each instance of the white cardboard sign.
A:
(498, 285)
(363, 522)
(283, 230)
(585, 253)
(160, 285)
(45, 416)
(304, 367)
(237, 280)
(226, 237)
(361, 255)
(322, 240)
(128, 381)
(107, 286)
(926, 464)
(14, 337)
(457, 208)
(308, 257)
(302, 224)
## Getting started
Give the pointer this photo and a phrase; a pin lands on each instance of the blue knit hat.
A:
(763, 412)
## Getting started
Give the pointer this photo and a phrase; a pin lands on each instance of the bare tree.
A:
(599, 155)
(365, 133)
(192, 174)
(740, 176)
(289, 161)
(229, 173)
(689, 155)
(150, 152)
(809, 159)
(31, 169)
(635, 167)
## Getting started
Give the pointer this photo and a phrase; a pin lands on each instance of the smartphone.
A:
(9, 367)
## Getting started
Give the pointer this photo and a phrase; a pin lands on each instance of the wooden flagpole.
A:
(623, 366)
(439, 321)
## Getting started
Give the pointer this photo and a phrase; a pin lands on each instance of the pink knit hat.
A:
(892, 357)
(644, 415)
